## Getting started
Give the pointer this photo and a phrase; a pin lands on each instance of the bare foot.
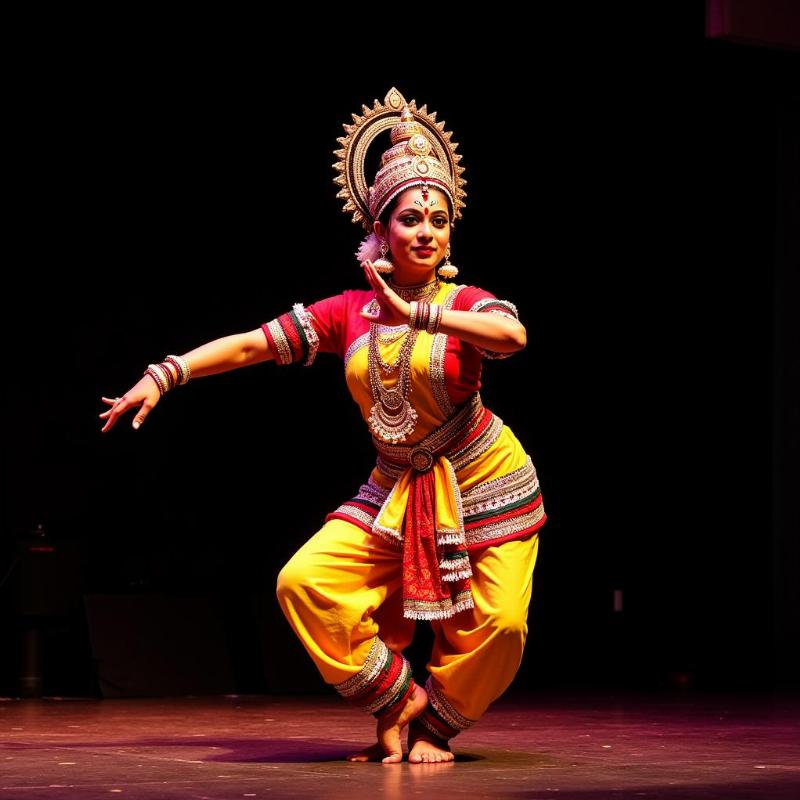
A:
(425, 748)
(373, 753)
(390, 726)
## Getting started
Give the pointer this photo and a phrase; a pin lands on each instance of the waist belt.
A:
(424, 510)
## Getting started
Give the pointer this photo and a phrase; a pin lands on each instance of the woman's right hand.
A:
(144, 396)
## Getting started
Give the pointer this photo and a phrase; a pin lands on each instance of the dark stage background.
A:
(648, 236)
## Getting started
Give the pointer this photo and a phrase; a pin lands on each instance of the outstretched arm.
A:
(227, 353)
(220, 355)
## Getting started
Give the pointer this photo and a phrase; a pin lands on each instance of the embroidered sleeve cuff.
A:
(493, 306)
(291, 337)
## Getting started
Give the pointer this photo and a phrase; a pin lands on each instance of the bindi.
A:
(426, 208)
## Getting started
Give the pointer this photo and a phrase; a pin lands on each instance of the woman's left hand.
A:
(392, 309)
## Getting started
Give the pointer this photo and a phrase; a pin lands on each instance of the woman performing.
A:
(446, 527)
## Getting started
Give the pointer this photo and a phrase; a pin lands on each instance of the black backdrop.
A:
(625, 192)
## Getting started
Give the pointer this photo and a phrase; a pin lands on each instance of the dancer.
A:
(445, 528)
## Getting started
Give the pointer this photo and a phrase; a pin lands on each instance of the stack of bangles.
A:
(425, 316)
(172, 371)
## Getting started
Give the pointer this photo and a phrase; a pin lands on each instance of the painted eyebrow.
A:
(417, 211)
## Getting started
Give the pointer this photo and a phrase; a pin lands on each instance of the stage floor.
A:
(590, 746)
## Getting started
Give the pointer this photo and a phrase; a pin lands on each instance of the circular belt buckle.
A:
(421, 459)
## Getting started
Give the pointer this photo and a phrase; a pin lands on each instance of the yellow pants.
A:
(342, 595)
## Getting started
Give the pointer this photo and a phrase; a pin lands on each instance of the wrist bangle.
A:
(435, 319)
(419, 316)
(171, 372)
(182, 366)
(159, 375)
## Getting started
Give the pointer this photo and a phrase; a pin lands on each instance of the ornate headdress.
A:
(421, 155)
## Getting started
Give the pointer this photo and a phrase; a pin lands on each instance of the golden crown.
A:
(421, 153)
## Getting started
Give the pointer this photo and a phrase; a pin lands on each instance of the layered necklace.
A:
(392, 418)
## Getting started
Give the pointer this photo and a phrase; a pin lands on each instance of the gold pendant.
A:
(392, 401)
(392, 424)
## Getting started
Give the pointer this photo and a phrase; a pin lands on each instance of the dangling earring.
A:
(383, 264)
(447, 270)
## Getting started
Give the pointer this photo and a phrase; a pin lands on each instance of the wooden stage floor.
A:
(588, 747)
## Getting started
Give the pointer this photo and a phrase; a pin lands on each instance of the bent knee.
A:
(292, 580)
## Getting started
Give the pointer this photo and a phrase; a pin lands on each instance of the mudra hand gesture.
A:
(392, 309)
(144, 395)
